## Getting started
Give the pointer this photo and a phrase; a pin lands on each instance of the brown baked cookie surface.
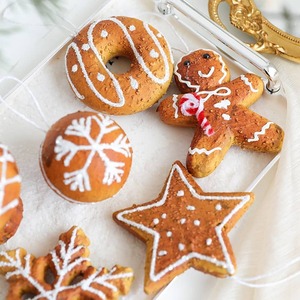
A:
(65, 273)
(222, 118)
(86, 157)
(11, 206)
(200, 70)
(137, 89)
(185, 227)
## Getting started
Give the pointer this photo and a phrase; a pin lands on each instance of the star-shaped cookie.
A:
(185, 227)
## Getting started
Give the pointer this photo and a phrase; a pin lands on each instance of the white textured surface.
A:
(156, 146)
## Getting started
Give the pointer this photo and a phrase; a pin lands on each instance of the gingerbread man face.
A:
(221, 117)
(200, 70)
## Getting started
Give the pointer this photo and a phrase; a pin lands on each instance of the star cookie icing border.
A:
(153, 237)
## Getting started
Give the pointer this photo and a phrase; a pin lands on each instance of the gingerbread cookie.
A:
(65, 273)
(86, 157)
(11, 206)
(222, 119)
(185, 227)
(200, 70)
(137, 89)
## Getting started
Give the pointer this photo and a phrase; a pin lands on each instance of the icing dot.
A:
(75, 68)
(132, 28)
(155, 221)
(104, 33)
(159, 35)
(181, 247)
(85, 47)
(100, 77)
(208, 242)
(162, 253)
(182, 221)
(218, 207)
(197, 223)
(226, 117)
(133, 82)
(180, 193)
(190, 207)
(164, 216)
(154, 54)
(169, 233)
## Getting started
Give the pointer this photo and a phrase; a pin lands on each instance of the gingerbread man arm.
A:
(207, 152)
(258, 133)
(170, 113)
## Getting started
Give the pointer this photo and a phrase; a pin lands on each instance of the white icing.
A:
(261, 132)
(63, 263)
(159, 35)
(175, 99)
(85, 47)
(226, 263)
(74, 68)
(5, 181)
(155, 221)
(132, 28)
(104, 33)
(116, 84)
(223, 104)
(181, 247)
(66, 150)
(169, 233)
(208, 242)
(134, 83)
(211, 71)
(100, 77)
(190, 207)
(180, 193)
(197, 223)
(183, 221)
(154, 54)
(203, 151)
(195, 86)
(226, 117)
(218, 207)
(162, 253)
(164, 216)
(248, 83)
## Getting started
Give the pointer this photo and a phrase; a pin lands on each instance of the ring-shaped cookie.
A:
(137, 89)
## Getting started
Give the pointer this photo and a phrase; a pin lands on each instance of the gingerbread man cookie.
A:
(65, 273)
(185, 227)
(221, 117)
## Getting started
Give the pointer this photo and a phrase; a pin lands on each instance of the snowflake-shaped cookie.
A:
(86, 157)
(65, 273)
(11, 206)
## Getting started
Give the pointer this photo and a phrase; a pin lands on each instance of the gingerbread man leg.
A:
(206, 152)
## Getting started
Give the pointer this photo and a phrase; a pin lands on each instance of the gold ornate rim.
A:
(245, 16)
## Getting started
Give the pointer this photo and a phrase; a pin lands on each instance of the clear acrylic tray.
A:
(156, 146)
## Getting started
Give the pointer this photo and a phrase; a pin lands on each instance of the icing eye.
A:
(206, 56)
(187, 63)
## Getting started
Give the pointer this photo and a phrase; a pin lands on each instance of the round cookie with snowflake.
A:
(86, 157)
(11, 206)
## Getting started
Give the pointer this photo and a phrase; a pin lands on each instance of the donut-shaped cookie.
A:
(139, 88)
(86, 157)
(200, 70)
(11, 206)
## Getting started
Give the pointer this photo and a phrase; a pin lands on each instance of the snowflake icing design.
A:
(66, 150)
(67, 258)
(5, 158)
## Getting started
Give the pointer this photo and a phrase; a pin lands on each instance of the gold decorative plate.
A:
(245, 16)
